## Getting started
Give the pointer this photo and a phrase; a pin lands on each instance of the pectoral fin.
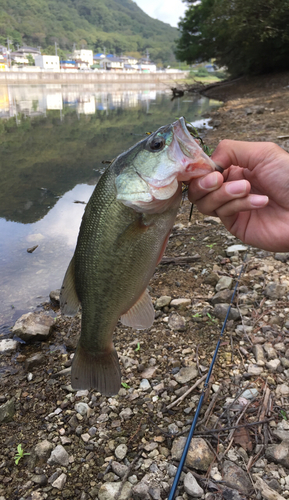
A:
(69, 301)
(141, 315)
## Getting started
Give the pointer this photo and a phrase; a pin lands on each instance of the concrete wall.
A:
(66, 76)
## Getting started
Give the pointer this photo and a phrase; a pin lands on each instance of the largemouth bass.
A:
(123, 235)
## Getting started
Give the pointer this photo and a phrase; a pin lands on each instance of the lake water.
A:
(53, 142)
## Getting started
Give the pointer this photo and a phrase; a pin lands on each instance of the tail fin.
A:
(96, 371)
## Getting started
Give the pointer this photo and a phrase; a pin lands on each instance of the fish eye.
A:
(157, 144)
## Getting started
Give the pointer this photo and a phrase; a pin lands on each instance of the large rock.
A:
(199, 455)
(7, 411)
(236, 478)
(32, 326)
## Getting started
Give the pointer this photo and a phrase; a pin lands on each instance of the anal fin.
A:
(141, 315)
(99, 371)
(69, 301)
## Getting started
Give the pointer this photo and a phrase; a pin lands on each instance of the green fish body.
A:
(123, 234)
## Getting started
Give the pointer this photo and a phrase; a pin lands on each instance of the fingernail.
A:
(257, 200)
(209, 181)
(236, 187)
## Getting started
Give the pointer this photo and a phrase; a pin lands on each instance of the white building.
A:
(47, 62)
(84, 55)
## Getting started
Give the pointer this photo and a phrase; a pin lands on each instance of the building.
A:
(68, 64)
(47, 62)
(110, 62)
(25, 51)
(84, 55)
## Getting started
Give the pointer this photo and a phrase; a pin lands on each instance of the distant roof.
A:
(115, 59)
(25, 48)
(99, 55)
(109, 55)
(67, 62)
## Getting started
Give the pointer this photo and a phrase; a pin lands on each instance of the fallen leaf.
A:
(242, 437)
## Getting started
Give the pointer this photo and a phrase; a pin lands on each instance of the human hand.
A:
(251, 197)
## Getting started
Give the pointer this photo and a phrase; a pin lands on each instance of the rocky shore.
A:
(81, 445)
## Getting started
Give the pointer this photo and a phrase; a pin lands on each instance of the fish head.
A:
(152, 172)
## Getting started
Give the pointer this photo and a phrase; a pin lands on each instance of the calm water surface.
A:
(53, 142)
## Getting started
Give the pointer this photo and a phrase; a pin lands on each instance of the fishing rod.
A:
(206, 384)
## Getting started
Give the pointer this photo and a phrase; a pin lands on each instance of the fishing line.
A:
(206, 384)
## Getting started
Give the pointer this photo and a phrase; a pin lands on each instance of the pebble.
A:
(177, 322)
(109, 490)
(126, 413)
(199, 455)
(120, 451)
(275, 290)
(224, 282)
(7, 411)
(7, 346)
(119, 469)
(82, 408)
(222, 296)
(163, 301)
(60, 481)
(230, 251)
(279, 453)
(33, 326)
(186, 374)
(254, 370)
(273, 365)
(180, 303)
(43, 449)
(35, 360)
(59, 456)
(235, 477)
(191, 486)
(54, 297)
(282, 390)
(144, 385)
(258, 352)
(220, 311)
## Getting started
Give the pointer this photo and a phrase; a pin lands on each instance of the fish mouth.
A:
(194, 162)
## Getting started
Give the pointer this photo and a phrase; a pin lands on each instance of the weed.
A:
(20, 454)
(138, 347)
(125, 385)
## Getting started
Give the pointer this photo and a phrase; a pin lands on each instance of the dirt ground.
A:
(254, 109)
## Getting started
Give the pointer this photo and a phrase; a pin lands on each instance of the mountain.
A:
(118, 25)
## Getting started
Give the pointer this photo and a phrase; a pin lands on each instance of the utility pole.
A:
(8, 52)
(148, 55)
(55, 43)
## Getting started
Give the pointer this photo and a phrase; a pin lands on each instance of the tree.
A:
(31, 61)
(244, 35)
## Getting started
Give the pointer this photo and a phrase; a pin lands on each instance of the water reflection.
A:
(53, 140)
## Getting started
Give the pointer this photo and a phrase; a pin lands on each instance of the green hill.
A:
(118, 25)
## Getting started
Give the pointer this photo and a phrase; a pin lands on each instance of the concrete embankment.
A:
(66, 77)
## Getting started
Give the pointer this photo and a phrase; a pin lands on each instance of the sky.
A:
(168, 11)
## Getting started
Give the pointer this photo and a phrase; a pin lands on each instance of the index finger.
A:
(243, 154)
